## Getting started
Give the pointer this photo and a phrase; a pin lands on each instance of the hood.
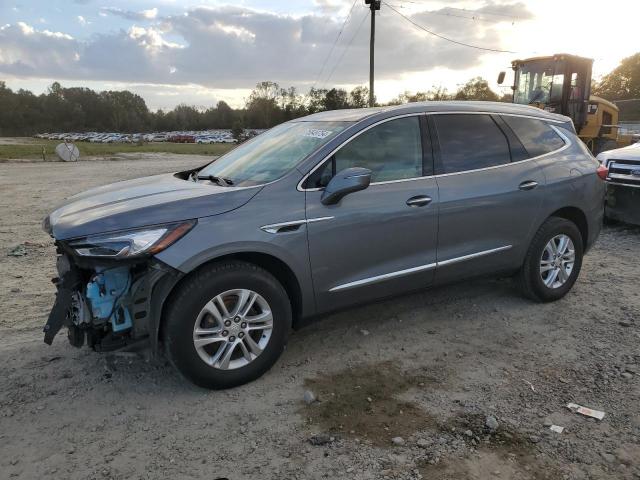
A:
(630, 152)
(141, 202)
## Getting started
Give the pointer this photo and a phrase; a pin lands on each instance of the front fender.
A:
(213, 238)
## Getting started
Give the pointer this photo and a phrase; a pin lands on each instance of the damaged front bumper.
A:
(109, 304)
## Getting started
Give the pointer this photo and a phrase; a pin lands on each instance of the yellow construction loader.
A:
(561, 83)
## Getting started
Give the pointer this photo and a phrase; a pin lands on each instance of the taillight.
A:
(602, 172)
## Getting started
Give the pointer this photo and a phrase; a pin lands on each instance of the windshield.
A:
(273, 153)
(537, 82)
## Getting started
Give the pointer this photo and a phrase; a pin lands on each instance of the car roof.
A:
(355, 115)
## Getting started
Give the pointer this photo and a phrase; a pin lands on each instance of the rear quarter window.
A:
(536, 136)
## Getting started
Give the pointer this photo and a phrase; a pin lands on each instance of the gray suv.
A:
(215, 265)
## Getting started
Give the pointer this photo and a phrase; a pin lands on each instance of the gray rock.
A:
(609, 458)
(422, 443)
(397, 441)
(626, 375)
(320, 439)
(491, 423)
(309, 397)
(468, 433)
(624, 323)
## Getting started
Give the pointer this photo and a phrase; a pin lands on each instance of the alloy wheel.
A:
(557, 261)
(233, 329)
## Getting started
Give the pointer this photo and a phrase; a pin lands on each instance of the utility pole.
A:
(373, 6)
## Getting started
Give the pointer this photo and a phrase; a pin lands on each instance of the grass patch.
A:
(33, 151)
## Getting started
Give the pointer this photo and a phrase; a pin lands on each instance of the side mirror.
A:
(501, 77)
(345, 182)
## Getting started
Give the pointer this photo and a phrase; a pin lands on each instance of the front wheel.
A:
(227, 325)
(553, 261)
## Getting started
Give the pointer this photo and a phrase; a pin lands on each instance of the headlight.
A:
(131, 243)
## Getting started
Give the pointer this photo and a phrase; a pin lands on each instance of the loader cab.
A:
(558, 83)
(561, 83)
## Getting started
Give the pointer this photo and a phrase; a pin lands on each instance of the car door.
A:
(490, 195)
(381, 240)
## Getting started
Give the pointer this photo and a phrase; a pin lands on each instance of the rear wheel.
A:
(227, 325)
(553, 261)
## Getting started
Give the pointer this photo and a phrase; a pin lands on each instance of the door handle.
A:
(528, 185)
(419, 201)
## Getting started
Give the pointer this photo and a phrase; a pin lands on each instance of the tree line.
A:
(82, 109)
(79, 109)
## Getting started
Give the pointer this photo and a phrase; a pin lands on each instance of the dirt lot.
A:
(429, 368)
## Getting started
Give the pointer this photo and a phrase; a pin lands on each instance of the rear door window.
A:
(470, 142)
(537, 136)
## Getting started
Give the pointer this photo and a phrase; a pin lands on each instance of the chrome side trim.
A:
(274, 227)
(380, 278)
(430, 266)
(473, 255)
(618, 184)
(567, 144)
(402, 180)
(318, 219)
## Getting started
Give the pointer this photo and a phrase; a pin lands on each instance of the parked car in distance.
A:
(623, 183)
(215, 265)
(182, 138)
(203, 136)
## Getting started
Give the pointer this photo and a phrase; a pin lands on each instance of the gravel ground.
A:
(459, 382)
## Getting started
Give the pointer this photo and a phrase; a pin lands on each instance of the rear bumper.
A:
(623, 203)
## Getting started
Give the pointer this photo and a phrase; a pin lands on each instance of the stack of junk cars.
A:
(203, 136)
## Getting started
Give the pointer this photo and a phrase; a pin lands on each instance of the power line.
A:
(324, 64)
(445, 14)
(487, 13)
(346, 49)
(417, 25)
(469, 11)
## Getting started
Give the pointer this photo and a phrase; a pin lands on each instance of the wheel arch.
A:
(578, 217)
(272, 264)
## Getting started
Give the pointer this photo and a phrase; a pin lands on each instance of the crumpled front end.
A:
(108, 304)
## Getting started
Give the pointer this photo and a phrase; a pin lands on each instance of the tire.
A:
(204, 291)
(531, 277)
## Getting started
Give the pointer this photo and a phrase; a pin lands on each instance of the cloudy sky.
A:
(198, 52)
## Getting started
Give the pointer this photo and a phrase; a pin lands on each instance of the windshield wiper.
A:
(219, 180)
